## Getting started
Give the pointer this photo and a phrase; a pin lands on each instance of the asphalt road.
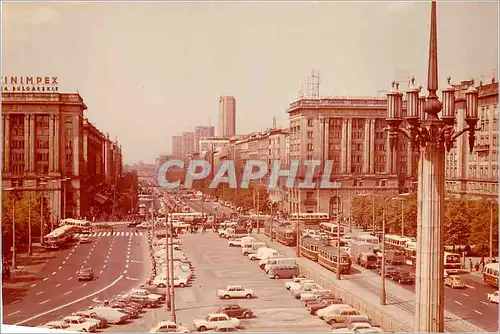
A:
(120, 262)
(209, 207)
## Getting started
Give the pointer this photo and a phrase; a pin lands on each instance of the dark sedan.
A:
(389, 271)
(236, 311)
(403, 277)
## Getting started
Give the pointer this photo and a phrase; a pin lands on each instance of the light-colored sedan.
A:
(168, 326)
(294, 281)
(493, 297)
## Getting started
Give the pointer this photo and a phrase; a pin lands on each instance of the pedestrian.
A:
(470, 265)
(477, 266)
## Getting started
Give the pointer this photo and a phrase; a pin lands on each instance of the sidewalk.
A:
(28, 266)
(365, 287)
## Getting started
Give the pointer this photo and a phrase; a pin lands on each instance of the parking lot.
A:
(217, 266)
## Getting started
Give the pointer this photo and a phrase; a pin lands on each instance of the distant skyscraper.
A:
(227, 116)
(187, 144)
(201, 132)
(177, 146)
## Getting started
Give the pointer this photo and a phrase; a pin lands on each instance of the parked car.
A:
(350, 320)
(111, 315)
(81, 324)
(58, 324)
(84, 240)
(310, 287)
(224, 329)
(168, 326)
(314, 307)
(235, 291)
(102, 323)
(86, 274)
(213, 321)
(312, 295)
(454, 282)
(234, 242)
(403, 277)
(294, 281)
(236, 311)
(493, 297)
(353, 327)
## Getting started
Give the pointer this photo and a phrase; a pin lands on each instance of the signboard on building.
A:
(29, 84)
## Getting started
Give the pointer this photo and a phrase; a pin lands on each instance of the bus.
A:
(452, 263)
(490, 274)
(310, 218)
(396, 241)
(286, 236)
(367, 238)
(83, 226)
(331, 230)
(188, 216)
(327, 257)
(411, 253)
(60, 236)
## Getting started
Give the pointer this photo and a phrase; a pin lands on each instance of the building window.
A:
(309, 134)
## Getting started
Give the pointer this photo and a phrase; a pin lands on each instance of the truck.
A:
(264, 253)
(251, 247)
(359, 247)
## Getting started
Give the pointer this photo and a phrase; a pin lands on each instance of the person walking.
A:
(470, 265)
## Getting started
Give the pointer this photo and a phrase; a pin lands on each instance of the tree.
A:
(479, 215)
(20, 206)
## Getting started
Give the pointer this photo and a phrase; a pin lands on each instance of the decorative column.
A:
(343, 147)
(366, 148)
(6, 144)
(51, 143)
(76, 147)
(349, 145)
(32, 143)
(372, 146)
(57, 145)
(27, 152)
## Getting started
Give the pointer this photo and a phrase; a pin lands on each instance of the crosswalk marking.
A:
(109, 234)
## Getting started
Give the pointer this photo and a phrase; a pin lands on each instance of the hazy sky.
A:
(148, 71)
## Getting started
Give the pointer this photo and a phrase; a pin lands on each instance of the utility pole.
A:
(258, 212)
(64, 200)
(172, 285)
(42, 225)
(167, 261)
(338, 235)
(373, 211)
(14, 266)
(382, 271)
(402, 218)
(29, 223)
(491, 230)
(272, 222)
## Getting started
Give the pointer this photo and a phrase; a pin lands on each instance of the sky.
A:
(149, 71)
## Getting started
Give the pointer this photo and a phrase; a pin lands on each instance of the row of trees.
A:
(24, 209)
(467, 222)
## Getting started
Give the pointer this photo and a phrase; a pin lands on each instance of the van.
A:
(279, 261)
(265, 252)
(265, 259)
(368, 260)
(280, 271)
(251, 247)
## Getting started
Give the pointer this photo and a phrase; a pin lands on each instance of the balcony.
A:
(482, 148)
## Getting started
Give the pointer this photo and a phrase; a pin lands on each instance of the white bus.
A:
(490, 274)
(60, 236)
(187, 216)
(411, 253)
(310, 217)
(83, 226)
(331, 229)
(452, 261)
(396, 241)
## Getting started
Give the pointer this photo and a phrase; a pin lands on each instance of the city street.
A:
(217, 266)
(119, 261)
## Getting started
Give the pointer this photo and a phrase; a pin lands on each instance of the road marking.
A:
(466, 295)
(60, 268)
(67, 257)
(70, 303)
(58, 284)
(100, 272)
(69, 279)
(478, 312)
(85, 261)
(45, 301)
(84, 284)
(32, 285)
(485, 303)
(459, 303)
(133, 279)
(45, 279)
(13, 313)
(67, 293)
(64, 262)
(126, 266)
(39, 293)
(125, 271)
(53, 273)
(104, 266)
(469, 286)
(133, 261)
(16, 301)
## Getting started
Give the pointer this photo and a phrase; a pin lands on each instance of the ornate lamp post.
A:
(432, 135)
